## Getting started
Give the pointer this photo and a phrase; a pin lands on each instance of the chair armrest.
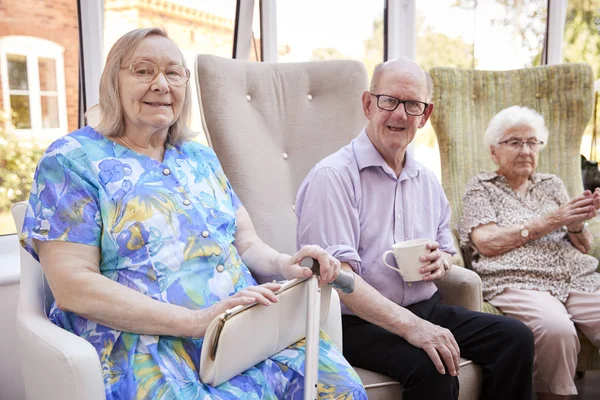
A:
(462, 287)
(56, 363)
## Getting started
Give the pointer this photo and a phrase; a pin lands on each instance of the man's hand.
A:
(438, 343)
(434, 270)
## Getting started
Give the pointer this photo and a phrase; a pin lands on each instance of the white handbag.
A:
(244, 336)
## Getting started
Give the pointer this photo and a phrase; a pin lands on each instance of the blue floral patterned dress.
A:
(166, 230)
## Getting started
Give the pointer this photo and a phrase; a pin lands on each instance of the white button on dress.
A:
(205, 234)
(187, 202)
(220, 268)
(166, 171)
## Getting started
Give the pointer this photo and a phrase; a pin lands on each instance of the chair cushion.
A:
(382, 387)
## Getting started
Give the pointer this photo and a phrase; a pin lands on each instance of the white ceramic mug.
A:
(408, 258)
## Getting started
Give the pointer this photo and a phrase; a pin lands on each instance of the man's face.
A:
(391, 131)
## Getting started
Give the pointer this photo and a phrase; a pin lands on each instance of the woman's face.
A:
(517, 153)
(154, 106)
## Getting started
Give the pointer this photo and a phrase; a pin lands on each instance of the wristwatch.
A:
(580, 230)
(524, 232)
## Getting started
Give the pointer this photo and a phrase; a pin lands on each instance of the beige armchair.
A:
(270, 124)
(466, 100)
(56, 364)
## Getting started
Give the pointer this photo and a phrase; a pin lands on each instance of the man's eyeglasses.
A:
(517, 144)
(390, 103)
(146, 71)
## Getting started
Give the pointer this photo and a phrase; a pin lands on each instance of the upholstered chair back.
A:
(270, 123)
(466, 100)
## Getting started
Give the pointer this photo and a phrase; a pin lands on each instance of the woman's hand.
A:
(330, 266)
(581, 242)
(263, 294)
(576, 211)
(596, 197)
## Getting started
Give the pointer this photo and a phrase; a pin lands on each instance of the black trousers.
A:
(502, 346)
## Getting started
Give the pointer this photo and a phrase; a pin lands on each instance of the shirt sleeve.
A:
(328, 215)
(444, 233)
(477, 210)
(63, 204)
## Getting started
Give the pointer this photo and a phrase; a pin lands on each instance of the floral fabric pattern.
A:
(165, 230)
(550, 263)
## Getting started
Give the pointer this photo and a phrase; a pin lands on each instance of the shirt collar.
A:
(535, 178)
(368, 156)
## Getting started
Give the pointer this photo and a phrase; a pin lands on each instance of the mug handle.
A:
(384, 259)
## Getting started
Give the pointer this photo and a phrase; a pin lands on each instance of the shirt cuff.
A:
(346, 254)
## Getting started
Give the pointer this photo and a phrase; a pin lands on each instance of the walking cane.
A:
(345, 283)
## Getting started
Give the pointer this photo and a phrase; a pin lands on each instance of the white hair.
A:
(513, 117)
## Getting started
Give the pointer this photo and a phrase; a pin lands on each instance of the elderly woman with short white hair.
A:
(528, 242)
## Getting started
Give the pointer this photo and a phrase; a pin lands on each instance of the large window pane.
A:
(20, 116)
(340, 29)
(41, 53)
(47, 68)
(17, 72)
(197, 26)
(582, 44)
(50, 112)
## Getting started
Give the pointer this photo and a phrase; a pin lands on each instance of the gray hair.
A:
(513, 117)
(378, 71)
(112, 118)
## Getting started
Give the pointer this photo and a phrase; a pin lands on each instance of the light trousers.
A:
(553, 326)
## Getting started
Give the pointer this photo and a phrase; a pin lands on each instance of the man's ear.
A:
(367, 103)
(425, 116)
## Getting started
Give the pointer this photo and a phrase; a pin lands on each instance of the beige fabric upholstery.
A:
(462, 287)
(269, 125)
(257, 113)
(55, 363)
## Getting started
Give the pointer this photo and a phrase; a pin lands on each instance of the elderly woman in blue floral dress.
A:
(144, 242)
(529, 242)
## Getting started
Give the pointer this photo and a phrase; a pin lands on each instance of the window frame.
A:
(33, 49)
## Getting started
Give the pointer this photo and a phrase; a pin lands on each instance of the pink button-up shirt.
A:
(353, 205)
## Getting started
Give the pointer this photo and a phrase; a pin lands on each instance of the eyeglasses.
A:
(146, 71)
(517, 144)
(390, 103)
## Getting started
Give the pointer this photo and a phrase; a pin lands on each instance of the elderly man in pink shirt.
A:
(371, 194)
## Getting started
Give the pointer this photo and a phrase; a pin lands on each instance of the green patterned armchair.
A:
(466, 100)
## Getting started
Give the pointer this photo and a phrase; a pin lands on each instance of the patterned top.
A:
(550, 263)
(165, 230)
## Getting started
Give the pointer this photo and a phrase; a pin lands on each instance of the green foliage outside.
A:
(18, 160)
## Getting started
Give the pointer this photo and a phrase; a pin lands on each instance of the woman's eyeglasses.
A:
(517, 144)
(146, 71)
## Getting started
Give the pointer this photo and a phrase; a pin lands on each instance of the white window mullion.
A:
(35, 101)
(556, 30)
(63, 124)
(268, 30)
(401, 34)
(5, 94)
(243, 29)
